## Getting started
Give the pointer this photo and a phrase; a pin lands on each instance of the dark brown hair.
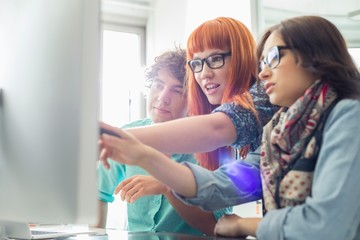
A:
(320, 49)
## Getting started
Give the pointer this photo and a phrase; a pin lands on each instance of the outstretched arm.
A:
(127, 149)
(187, 135)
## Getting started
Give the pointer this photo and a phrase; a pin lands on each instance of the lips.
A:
(161, 110)
(211, 87)
(268, 87)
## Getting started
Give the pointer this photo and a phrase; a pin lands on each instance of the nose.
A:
(164, 96)
(206, 71)
(265, 73)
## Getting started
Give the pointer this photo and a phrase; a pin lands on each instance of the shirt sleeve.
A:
(333, 210)
(249, 125)
(189, 158)
(233, 183)
(108, 179)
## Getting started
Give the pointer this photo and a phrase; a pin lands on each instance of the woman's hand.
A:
(124, 148)
(235, 226)
(228, 226)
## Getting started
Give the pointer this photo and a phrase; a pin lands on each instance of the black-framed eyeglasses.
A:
(214, 61)
(272, 58)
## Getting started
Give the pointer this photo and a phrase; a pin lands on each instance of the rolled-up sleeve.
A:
(232, 184)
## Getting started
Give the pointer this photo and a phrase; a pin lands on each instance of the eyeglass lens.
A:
(271, 59)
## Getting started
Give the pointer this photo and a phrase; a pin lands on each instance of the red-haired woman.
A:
(226, 108)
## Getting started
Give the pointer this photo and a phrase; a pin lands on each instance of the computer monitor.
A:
(49, 79)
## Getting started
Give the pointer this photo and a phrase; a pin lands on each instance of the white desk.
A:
(109, 234)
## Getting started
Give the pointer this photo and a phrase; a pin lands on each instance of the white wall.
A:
(179, 18)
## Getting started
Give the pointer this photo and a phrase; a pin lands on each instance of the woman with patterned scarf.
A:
(310, 152)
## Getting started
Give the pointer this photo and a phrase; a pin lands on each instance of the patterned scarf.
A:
(289, 148)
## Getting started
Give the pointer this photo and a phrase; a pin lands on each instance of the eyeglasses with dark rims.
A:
(213, 61)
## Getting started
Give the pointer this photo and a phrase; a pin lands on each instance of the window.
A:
(122, 76)
(122, 98)
(355, 53)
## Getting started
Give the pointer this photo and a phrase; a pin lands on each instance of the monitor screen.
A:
(49, 79)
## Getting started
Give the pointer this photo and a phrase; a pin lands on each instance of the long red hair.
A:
(222, 33)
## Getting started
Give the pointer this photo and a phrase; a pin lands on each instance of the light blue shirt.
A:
(333, 209)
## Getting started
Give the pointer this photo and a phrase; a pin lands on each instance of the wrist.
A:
(145, 157)
(167, 190)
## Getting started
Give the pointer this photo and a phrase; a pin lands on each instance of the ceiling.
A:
(338, 12)
(270, 12)
(328, 7)
(128, 12)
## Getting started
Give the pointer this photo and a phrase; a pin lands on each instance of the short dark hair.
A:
(173, 61)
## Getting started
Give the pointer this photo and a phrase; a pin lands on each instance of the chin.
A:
(273, 100)
(161, 119)
(214, 101)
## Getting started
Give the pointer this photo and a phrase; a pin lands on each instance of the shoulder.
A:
(248, 129)
(347, 104)
(341, 130)
(239, 116)
(139, 123)
(346, 110)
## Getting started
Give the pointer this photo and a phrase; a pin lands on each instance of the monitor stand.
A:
(14, 230)
(21, 230)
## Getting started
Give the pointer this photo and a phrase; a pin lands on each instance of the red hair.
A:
(222, 33)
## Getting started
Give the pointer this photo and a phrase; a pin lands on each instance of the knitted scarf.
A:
(289, 148)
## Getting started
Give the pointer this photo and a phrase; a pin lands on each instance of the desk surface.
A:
(108, 234)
